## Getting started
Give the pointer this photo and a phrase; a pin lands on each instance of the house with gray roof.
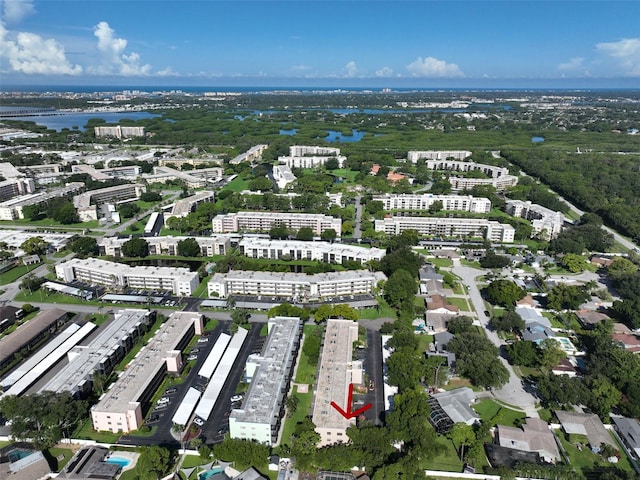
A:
(453, 406)
(536, 332)
(629, 431)
(533, 436)
(587, 424)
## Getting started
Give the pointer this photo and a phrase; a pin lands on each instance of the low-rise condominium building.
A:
(209, 246)
(120, 409)
(178, 280)
(298, 250)
(466, 203)
(264, 221)
(448, 227)
(337, 372)
(294, 286)
(545, 222)
(269, 373)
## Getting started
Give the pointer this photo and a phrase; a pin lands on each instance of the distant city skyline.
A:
(411, 44)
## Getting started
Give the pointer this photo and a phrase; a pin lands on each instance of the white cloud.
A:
(31, 54)
(573, 64)
(115, 60)
(351, 69)
(626, 52)
(13, 11)
(384, 72)
(301, 68)
(432, 67)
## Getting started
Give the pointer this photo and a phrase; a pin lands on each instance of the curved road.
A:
(513, 392)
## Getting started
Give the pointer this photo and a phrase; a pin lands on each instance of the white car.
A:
(198, 421)
(236, 398)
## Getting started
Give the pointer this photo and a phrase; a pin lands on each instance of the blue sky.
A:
(350, 43)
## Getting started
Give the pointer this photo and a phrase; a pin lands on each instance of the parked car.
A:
(198, 421)
(171, 390)
(237, 398)
(164, 400)
(203, 340)
(192, 357)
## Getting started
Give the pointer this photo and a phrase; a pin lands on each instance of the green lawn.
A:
(48, 222)
(496, 414)
(383, 311)
(15, 273)
(237, 184)
(98, 318)
(304, 409)
(202, 290)
(467, 263)
(41, 295)
(585, 458)
(52, 455)
(86, 431)
(306, 372)
(441, 262)
(461, 303)
(449, 461)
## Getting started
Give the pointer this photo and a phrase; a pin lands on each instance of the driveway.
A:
(513, 392)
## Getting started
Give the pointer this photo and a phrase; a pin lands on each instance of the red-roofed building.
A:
(629, 342)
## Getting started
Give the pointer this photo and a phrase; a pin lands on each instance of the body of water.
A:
(210, 473)
(335, 136)
(537, 139)
(71, 120)
(291, 132)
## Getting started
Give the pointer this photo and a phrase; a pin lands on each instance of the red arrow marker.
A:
(349, 414)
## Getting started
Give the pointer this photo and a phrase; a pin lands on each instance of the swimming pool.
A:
(123, 462)
(18, 454)
(210, 473)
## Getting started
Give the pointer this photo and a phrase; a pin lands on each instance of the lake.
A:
(335, 136)
(537, 139)
(70, 120)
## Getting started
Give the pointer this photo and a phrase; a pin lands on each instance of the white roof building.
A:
(465, 203)
(337, 371)
(264, 221)
(180, 281)
(448, 227)
(295, 286)
(298, 250)
(542, 219)
(120, 409)
(269, 372)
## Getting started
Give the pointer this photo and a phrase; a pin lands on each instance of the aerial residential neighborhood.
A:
(298, 308)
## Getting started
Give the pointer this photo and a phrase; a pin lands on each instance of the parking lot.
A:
(160, 414)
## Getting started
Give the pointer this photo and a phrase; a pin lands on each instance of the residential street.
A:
(513, 392)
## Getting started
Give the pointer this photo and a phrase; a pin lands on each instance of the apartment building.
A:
(12, 209)
(297, 250)
(448, 227)
(264, 221)
(294, 286)
(283, 175)
(93, 271)
(16, 186)
(337, 372)
(168, 245)
(414, 156)
(545, 222)
(499, 183)
(185, 206)
(310, 156)
(86, 203)
(269, 374)
(466, 203)
(120, 408)
(118, 131)
(254, 153)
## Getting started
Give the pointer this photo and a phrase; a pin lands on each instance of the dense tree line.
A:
(606, 184)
